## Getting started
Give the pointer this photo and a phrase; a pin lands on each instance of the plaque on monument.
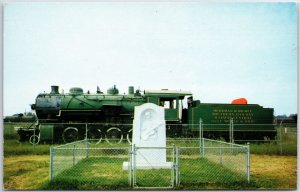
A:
(149, 138)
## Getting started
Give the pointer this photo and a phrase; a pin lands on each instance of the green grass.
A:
(273, 149)
(32, 172)
(202, 174)
(27, 167)
(14, 147)
(93, 173)
(25, 172)
(106, 173)
(9, 129)
(289, 143)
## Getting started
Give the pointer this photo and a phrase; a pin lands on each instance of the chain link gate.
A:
(154, 176)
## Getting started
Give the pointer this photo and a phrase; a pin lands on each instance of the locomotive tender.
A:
(75, 115)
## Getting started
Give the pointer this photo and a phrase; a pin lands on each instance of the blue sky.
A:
(218, 51)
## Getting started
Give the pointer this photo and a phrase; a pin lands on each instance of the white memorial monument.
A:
(149, 133)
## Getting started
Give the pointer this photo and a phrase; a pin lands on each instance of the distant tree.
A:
(29, 114)
(281, 116)
(294, 116)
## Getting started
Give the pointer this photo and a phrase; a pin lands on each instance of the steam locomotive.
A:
(77, 115)
(20, 117)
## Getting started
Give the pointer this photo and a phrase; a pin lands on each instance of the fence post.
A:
(86, 141)
(51, 163)
(130, 165)
(280, 137)
(33, 140)
(202, 146)
(134, 165)
(221, 153)
(74, 155)
(173, 166)
(177, 166)
(231, 133)
(201, 136)
(200, 128)
(248, 162)
(11, 128)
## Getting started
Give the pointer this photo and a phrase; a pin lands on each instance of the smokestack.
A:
(130, 90)
(54, 89)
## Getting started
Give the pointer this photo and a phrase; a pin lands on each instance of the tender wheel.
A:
(34, 139)
(95, 135)
(70, 134)
(114, 136)
(129, 136)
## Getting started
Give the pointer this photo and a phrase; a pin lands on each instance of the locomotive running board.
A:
(59, 113)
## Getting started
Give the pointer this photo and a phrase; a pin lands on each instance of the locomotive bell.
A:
(76, 91)
(113, 90)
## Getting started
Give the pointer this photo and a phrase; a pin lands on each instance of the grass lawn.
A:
(31, 172)
(27, 168)
(25, 172)
(274, 172)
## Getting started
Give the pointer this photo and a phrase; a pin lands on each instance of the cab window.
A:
(167, 103)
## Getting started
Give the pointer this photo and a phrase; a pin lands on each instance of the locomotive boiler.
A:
(76, 115)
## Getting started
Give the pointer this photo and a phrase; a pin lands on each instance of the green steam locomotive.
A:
(77, 115)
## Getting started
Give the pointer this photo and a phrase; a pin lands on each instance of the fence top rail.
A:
(258, 140)
(154, 147)
(98, 123)
(166, 187)
(244, 147)
(269, 124)
(247, 130)
(234, 147)
(182, 139)
(126, 148)
(222, 142)
(84, 148)
(72, 143)
(55, 123)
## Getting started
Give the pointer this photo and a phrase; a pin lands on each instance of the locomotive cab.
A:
(170, 100)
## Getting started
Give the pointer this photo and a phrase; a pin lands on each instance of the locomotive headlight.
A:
(32, 106)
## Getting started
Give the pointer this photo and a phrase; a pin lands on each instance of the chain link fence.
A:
(122, 168)
(66, 156)
(82, 163)
(214, 162)
(283, 138)
(153, 167)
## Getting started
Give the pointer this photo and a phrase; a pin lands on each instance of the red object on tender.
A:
(240, 101)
